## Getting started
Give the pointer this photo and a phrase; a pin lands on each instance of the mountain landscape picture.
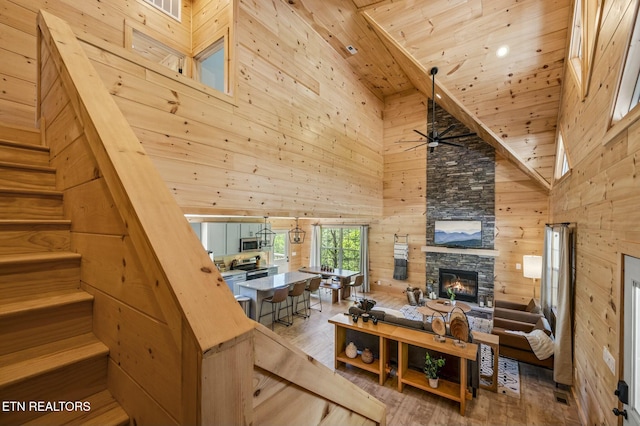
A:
(458, 233)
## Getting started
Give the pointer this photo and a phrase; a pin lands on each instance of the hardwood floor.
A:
(537, 404)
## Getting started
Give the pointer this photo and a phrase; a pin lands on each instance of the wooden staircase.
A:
(48, 352)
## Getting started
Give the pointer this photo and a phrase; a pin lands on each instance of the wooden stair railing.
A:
(47, 349)
(218, 379)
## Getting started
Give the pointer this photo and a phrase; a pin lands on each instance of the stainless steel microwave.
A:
(249, 244)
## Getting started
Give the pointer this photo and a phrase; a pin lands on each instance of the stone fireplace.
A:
(463, 283)
(461, 186)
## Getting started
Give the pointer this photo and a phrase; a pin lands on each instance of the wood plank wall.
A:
(600, 195)
(101, 19)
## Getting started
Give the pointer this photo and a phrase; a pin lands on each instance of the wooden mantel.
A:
(473, 252)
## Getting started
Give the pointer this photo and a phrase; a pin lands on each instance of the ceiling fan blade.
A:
(422, 134)
(447, 130)
(449, 143)
(414, 147)
(457, 136)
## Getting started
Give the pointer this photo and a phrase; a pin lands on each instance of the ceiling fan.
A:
(435, 138)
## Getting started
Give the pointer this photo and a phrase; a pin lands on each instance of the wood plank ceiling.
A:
(512, 102)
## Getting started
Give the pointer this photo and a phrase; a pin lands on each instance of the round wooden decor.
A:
(438, 326)
(459, 329)
(457, 314)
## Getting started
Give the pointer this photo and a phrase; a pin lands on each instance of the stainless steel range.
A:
(250, 265)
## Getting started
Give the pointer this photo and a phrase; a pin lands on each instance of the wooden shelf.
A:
(357, 362)
(470, 251)
(445, 388)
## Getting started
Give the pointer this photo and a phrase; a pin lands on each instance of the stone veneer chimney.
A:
(461, 186)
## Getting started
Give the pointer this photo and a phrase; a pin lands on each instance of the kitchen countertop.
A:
(275, 281)
(233, 272)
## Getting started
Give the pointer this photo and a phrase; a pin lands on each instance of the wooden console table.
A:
(405, 337)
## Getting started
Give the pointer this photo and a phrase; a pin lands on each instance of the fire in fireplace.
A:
(463, 283)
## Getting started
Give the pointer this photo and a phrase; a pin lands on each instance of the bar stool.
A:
(313, 287)
(294, 294)
(357, 282)
(279, 295)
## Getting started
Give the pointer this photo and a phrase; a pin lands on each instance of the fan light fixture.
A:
(296, 235)
(265, 235)
(435, 137)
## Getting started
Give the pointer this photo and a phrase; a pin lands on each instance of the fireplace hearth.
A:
(463, 283)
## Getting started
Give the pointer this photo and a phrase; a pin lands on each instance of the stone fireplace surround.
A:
(461, 186)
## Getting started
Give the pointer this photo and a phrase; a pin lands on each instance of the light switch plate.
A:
(609, 360)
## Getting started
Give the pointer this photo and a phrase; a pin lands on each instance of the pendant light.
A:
(296, 235)
(265, 235)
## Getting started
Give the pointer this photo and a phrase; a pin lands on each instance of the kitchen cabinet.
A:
(233, 238)
(231, 278)
(249, 230)
(216, 238)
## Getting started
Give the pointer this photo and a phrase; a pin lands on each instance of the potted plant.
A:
(432, 367)
(452, 295)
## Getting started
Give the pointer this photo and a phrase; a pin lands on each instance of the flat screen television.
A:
(458, 233)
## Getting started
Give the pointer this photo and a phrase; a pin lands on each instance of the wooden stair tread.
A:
(31, 362)
(34, 192)
(105, 410)
(21, 145)
(22, 304)
(31, 167)
(34, 222)
(27, 258)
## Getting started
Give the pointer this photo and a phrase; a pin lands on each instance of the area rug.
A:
(508, 372)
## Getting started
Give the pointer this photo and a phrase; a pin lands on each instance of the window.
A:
(575, 49)
(562, 161)
(584, 35)
(211, 66)
(340, 248)
(629, 88)
(156, 51)
(170, 7)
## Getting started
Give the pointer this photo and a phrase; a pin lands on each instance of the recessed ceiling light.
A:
(502, 51)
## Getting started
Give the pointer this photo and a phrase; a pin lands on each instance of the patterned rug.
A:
(508, 370)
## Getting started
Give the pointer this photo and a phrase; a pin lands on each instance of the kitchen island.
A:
(263, 287)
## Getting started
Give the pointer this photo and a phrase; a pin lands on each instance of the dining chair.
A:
(313, 287)
(357, 282)
(294, 295)
(279, 295)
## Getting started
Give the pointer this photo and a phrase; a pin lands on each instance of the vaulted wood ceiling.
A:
(511, 102)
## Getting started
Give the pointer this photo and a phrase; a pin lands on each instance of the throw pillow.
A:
(543, 325)
(534, 307)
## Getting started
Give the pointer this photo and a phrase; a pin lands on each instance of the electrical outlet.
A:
(293, 253)
(609, 360)
(518, 266)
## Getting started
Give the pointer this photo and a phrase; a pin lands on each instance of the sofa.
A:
(511, 321)
(416, 354)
